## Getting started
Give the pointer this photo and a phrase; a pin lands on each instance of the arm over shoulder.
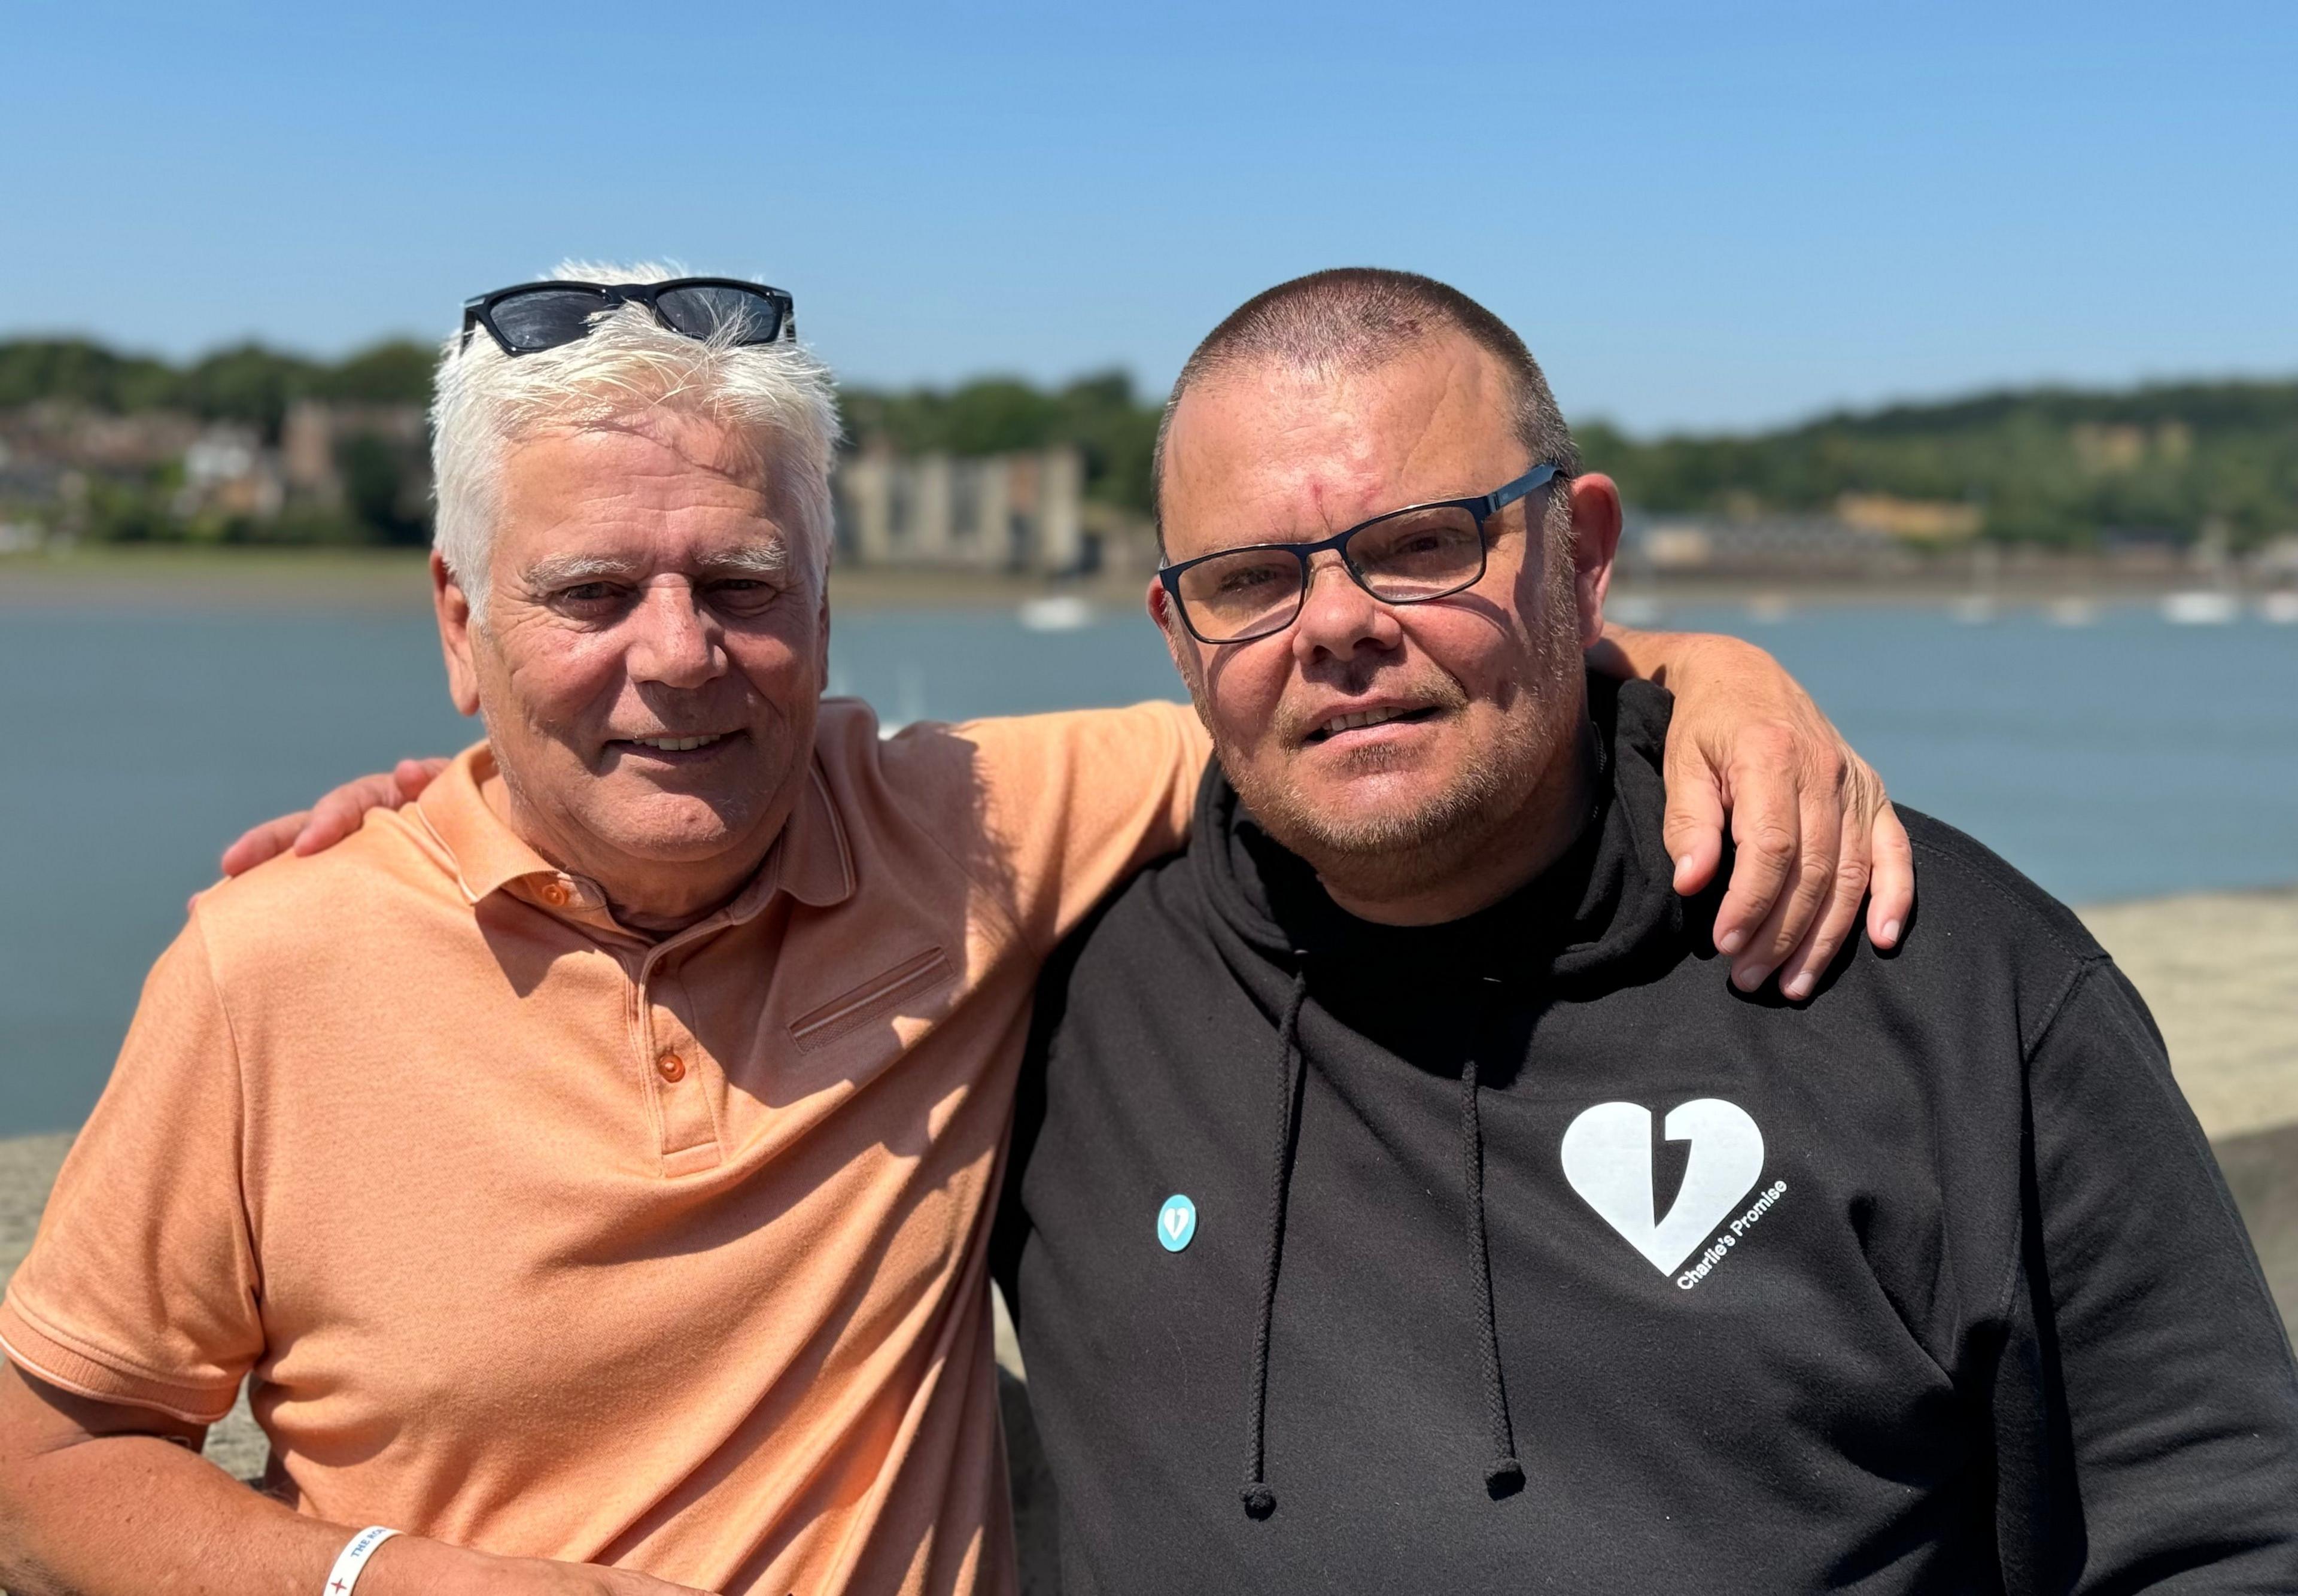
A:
(1076, 802)
(2147, 1407)
(142, 1288)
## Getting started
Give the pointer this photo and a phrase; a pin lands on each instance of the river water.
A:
(2118, 759)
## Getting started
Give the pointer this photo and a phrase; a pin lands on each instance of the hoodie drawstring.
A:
(1259, 1500)
(1505, 1475)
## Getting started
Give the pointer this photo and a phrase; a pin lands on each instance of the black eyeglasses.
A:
(534, 316)
(1408, 556)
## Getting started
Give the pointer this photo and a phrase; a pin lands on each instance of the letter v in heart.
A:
(1607, 1157)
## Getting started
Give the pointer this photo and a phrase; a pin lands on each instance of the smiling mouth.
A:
(1362, 719)
(672, 744)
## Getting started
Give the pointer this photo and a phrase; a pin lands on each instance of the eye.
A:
(743, 595)
(1245, 579)
(598, 600)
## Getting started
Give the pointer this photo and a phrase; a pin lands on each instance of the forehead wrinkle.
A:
(1333, 447)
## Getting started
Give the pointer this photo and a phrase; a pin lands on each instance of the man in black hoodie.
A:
(1403, 1199)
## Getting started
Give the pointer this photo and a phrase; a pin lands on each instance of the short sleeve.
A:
(141, 1288)
(1078, 802)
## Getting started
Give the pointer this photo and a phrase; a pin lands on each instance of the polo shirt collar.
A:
(812, 860)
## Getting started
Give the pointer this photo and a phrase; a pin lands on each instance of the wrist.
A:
(1669, 659)
(414, 1566)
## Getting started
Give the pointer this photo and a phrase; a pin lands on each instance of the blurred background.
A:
(1950, 352)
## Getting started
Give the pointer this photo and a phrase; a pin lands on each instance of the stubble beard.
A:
(1399, 851)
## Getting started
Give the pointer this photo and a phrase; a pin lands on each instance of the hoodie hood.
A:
(1455, 990)
(1606, 907)
(1604, 1276)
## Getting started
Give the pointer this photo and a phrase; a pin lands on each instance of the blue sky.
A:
(1700, 215)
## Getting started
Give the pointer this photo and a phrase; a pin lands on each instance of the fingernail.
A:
(1729, 941)
(1683, 864)
(1891, 930)
(1746, 981)
(1800, 987)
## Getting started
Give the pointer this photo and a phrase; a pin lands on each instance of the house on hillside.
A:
(1022, 512)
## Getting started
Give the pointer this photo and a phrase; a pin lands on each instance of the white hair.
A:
(778, 396)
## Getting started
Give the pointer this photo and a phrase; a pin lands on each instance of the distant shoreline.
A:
(162, 577)
(384, 580)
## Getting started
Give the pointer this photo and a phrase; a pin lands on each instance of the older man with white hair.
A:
(591, 1162)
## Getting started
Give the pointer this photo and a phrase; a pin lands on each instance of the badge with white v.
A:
(1607, 1157)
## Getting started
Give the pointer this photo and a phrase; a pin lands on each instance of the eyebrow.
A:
(566, 570)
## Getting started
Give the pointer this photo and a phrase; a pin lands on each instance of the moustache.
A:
(1294, 722)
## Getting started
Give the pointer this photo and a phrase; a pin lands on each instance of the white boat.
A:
(2072, 612)
(1060, 612)
(1633, 609)
(2201, 607)
(2281, 610)
(1974, 609)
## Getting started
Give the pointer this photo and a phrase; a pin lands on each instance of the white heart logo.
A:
(1607, 1157)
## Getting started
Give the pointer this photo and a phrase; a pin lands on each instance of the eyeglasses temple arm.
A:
(1538, 477)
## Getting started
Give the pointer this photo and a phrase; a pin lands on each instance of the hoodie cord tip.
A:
(1259, 1500)
(1504, 1478)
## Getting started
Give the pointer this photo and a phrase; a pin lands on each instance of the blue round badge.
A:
(1177, 1222)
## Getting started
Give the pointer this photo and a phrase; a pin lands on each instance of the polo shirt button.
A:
(671, 1066)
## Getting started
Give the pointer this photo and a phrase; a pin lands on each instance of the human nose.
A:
(675, 643)
(1338, 616)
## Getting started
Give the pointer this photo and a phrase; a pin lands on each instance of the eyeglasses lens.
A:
(735, 315)
(1240, 595)
(546, 318)
(1421, 554)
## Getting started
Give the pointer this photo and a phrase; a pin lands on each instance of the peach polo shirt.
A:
(547, 1239)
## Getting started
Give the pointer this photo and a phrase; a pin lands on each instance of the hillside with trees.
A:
(2169, 462)
(2176, 461)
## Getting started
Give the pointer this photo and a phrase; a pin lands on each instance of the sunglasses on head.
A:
(532, 316)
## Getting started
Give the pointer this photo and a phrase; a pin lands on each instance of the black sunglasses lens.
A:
(546, 318)
(732, 315)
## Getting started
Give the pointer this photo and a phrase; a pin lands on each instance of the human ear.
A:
(453, 606)
(1595, 503)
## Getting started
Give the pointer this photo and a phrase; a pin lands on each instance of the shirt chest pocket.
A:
(866, 1019)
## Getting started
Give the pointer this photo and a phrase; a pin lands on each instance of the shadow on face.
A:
(1376, 739)
(653, 648)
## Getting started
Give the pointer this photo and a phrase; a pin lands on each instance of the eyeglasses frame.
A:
(479, 310)
(1483, 507)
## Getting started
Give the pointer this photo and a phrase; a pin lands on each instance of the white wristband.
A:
(345, 1574)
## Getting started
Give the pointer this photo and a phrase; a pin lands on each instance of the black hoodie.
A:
(1525, 1252)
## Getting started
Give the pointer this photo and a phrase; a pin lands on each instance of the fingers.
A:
(338, 814)
(1810, 879)
(1892, 895)
(333, 818)
(1766, 834)
(1808, 961)
(268, 840)
(1692, 830)
(411, 776)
